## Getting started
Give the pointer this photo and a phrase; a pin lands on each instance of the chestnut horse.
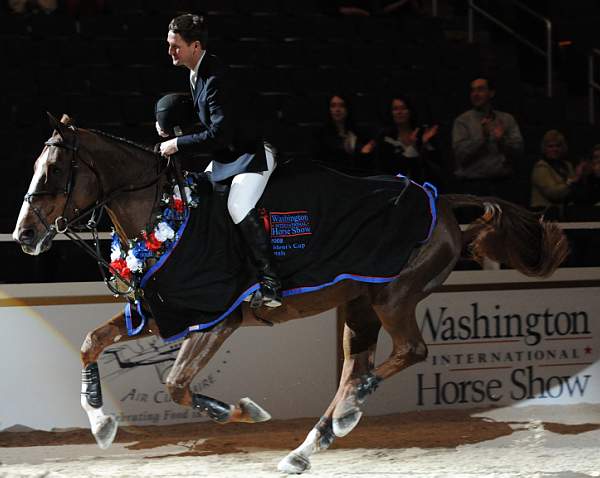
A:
(82, 170)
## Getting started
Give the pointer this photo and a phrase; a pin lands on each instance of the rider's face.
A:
(181, 52)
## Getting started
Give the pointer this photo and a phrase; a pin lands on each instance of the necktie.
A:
(193, 82)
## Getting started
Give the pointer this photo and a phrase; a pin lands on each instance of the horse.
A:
(81, 170)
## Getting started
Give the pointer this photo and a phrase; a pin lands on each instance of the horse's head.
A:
(63, 184)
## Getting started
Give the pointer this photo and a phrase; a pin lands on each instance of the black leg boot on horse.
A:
(261, 255)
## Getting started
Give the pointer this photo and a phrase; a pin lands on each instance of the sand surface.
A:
(556, 442)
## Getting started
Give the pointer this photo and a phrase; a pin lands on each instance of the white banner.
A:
(486, 348)
(498, 348)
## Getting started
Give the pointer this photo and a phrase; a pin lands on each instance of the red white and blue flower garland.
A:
(131, 262)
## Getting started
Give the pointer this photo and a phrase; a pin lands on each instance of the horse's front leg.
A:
(103, 426)
(195, 353)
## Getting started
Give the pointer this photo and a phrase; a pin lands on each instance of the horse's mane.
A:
(146, 148)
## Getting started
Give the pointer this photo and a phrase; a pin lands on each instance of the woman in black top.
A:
(404, 148)
(338, 144)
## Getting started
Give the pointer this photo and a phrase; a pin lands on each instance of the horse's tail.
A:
(512, 235)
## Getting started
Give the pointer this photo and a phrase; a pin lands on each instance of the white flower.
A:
(134, 264)
(163, 231)
(115, 252)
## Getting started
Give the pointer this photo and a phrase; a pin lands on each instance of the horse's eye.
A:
(56, 170)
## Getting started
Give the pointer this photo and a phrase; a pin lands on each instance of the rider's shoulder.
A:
(214, 65)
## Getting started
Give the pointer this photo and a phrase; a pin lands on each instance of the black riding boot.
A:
(261, 255)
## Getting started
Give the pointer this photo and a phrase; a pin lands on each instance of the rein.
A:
(70, 228)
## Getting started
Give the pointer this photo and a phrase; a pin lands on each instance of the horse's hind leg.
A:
(195, 353)
(103, 426)
(360, 340)
(408, 349)
(395, 306)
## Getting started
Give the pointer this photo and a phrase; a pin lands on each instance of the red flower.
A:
(152, 243)
(120, 267)
(178, 205)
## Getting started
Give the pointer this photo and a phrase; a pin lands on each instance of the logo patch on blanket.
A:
(289, 230)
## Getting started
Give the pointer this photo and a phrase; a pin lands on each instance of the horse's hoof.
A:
(105, 431)
(294, 463)
(255, 413)
(345, 422)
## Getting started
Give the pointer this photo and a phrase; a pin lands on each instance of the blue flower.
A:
(140, 250)
(168, 214)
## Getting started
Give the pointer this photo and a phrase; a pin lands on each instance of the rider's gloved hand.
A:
(161, 132)
(168, 147)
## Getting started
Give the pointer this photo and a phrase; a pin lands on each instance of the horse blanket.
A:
(325, 227)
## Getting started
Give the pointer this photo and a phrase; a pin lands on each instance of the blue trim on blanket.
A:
(130, 330)
(432, 194)
(341, 277)
(285, 293)
(223, 316)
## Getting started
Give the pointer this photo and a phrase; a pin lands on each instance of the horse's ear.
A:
(60, 126)
(53, 121)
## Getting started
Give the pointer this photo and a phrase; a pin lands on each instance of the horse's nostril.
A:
(26, 236)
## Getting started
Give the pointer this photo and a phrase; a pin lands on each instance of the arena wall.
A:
(495, 339)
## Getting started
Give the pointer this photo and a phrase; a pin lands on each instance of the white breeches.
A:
(247, 188)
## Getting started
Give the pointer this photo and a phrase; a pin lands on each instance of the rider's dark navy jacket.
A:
(217, 135)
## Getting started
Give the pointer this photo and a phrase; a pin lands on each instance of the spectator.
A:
(586, 195)
(485, 143)
(339, 144)
(587, 190)
(553, 175)
(403, 147)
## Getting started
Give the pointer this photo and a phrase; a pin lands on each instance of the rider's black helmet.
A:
(175, 113)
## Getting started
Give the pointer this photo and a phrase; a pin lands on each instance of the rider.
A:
(250, 168)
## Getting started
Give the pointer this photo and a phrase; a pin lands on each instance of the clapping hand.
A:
(493, 127)
(368, 148)
(427, 135)
(430, 133)
(583, 170)
(486, 125)
(497, 131)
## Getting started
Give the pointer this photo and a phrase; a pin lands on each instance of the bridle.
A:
(70, 227)
(61, 224)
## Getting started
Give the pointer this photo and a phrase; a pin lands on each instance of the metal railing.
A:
(547, 53)
(592, 84)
